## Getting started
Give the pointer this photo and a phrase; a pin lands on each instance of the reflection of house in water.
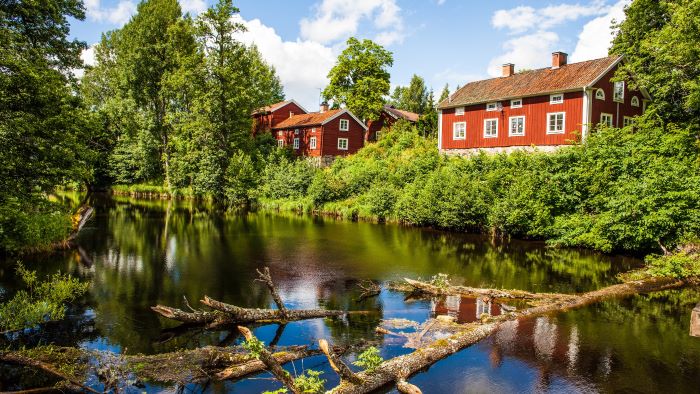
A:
(465, 309)
(695, 321)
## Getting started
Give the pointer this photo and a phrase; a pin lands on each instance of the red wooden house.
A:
(387, 118)
(321, 134)
(266, 117)
(544, 108)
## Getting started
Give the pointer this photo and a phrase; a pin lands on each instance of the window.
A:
(516, 103)
(291, 114)
(296, 143)
(280, 133)
(492, 107)
(459, 111)
(313, 129)
(517, 126)
(606, 119)
(482, 307)
(600, 94)
(619, 91)
(459, 131)
(344, 125)
(280, 143)
(312, 143)
(343, 143)
(556, 98)
(635, 101)
(627, 121)
(490, 128)
(296, 131)
(556, 122)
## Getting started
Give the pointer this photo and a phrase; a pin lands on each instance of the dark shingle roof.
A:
(530, 83)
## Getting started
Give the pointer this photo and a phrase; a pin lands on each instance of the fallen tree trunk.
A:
(23, 360)
(429, 288)
(399, 368)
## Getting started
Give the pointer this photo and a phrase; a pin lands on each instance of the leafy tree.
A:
(360, 78)
(444, 94)
(659, 41)
(428, 123)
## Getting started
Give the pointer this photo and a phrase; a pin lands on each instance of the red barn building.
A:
(544, 108)
(387, 118)
(323, 134)
(266, 117)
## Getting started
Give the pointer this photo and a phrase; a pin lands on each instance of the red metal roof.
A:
(310, 119)
(531, 83)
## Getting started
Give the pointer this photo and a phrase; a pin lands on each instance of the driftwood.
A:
(271, 363)
(267, 279)
(429, 288)
(23, 360)
(337, 364)
(369, 290)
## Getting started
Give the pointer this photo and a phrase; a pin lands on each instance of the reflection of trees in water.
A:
(343, 295)
(640, 343)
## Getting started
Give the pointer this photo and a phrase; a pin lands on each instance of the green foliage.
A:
(310, 382)
(369, 359)
(685, 263)
(360, 78)
(254, 346)
(42, 301)
(27, 226)
(413, 98)
(287, 178)
(281, 390)
(441, 281)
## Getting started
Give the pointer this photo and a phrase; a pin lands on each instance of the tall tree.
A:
(659, 41)
(416, 96)
(360, 78)
(444, 94)
(429, 120)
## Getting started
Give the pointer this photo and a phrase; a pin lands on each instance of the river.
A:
(139, 253)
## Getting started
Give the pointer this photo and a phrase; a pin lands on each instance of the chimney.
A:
(508, 69)
(324, 107)
(558, 59)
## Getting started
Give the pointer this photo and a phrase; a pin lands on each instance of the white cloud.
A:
(453, 78)
(339, 19)
(194, 7)
(301, 65)
(526, 51)
(88, 58)
(596, 37)
(117, 15)
(524, 18)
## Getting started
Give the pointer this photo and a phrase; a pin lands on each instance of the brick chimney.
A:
(324, 107)
(559, 59)
(508, 69)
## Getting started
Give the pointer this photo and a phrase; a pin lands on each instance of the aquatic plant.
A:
(369, 359)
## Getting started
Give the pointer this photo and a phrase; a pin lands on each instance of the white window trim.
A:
(312, 143)
(280, 143)
(621, 99)
(346, 143)
(563, 123)
(510, 126)
(552, 96)
(513, 105)
(627, 119)
(602, 92)
(296, 131)
(495, 106)
(296, 143)
(459, 111)
(487, 121)
(344, 122)
(313, 129)
(634, 101)
(612, 120)
(454, 131)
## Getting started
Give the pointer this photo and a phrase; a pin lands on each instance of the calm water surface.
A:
(141, 253)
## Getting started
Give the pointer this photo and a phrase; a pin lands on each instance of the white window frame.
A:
(634, 101)
(280, 143)
(280, 132)
(490, 121)
(463, 133)
(563, 123)
(346, 144)
(312, 143)
(346, 124)
(557, 98)
(313, 129)
(600, 94)
(516, 103)
(296, 143)
(459, 111)
(620, 99)
(604, 115)
(627, 121)
(492, 106)
(296, 131)
(510, 126)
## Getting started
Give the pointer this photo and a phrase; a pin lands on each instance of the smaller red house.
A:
(322, 134)
(387, 118)
(266, 117)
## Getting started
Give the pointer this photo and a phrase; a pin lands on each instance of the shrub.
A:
(370, 359)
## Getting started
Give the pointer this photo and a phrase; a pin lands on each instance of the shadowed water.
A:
(141, 253)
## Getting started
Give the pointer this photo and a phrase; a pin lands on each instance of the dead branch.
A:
(253, 366)
(271, 363)
(369, 289)
(267, 279)
(429, 288)
(337, 364)
(19, 359)
(407, 388)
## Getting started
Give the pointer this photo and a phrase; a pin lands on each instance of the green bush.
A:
(370, 359)
(32, 227)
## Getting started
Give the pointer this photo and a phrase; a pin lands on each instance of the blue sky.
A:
(444, 41)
